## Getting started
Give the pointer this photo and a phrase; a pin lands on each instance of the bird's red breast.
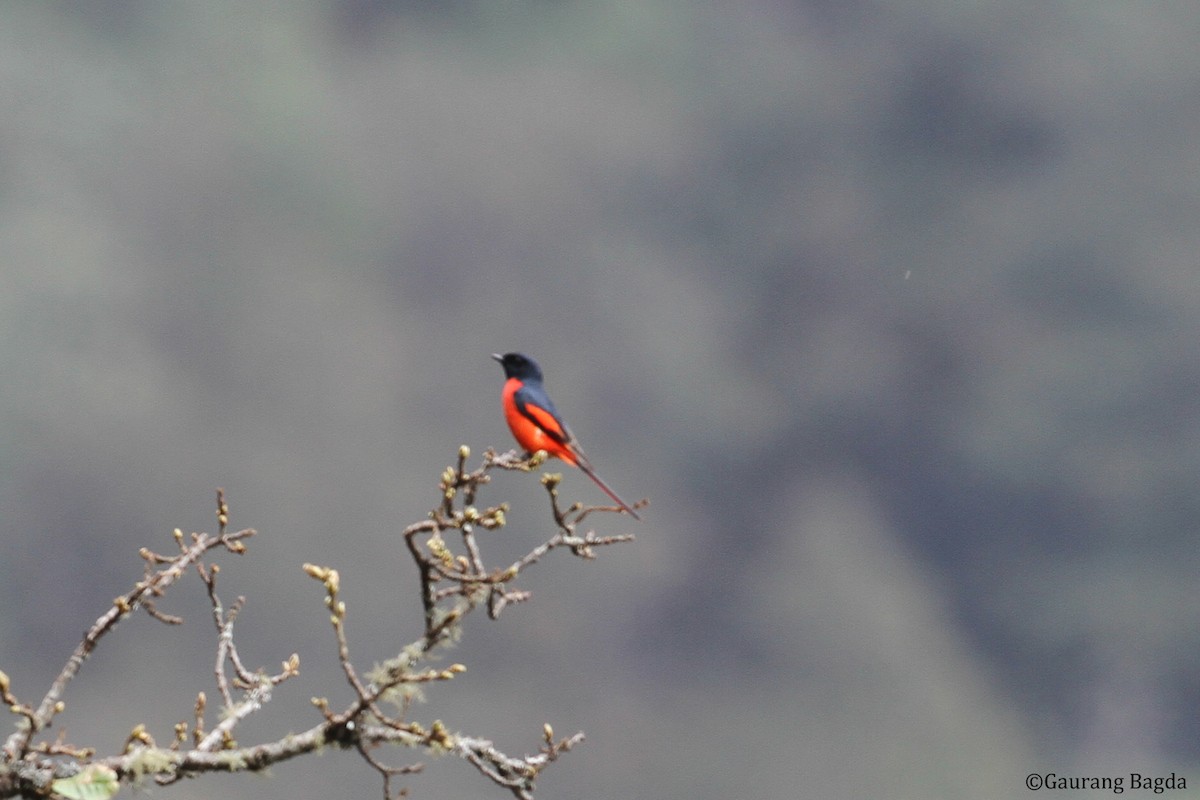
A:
(534, 427)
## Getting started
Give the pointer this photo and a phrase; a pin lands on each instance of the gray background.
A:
(890, 308)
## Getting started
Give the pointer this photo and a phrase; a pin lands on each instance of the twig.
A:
(153, 584)
(452, 584)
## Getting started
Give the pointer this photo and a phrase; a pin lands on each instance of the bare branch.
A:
(152, 585)
(454, 580)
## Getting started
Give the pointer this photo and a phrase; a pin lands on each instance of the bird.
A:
(536, 423)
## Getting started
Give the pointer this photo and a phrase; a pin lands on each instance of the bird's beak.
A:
(498, 357)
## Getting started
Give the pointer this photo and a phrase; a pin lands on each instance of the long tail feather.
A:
(587, 470)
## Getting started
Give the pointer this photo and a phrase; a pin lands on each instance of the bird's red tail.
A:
(587, 470)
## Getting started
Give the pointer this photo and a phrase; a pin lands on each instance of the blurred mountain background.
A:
(892, 309)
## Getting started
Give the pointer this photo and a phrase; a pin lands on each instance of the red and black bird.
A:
(536, 423)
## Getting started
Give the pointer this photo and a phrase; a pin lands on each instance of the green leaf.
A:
(95, 782)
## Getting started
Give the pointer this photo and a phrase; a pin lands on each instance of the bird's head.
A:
(520, 366)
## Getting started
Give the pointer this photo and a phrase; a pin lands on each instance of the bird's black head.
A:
(517, 365)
